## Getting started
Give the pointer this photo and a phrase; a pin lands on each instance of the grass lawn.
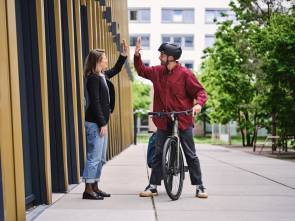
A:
(236, 140)
(143, 138)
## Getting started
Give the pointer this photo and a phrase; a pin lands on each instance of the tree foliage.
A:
(249, 72)
(276, 46)
(141, 96)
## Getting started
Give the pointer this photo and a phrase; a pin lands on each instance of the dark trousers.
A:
(188, 146)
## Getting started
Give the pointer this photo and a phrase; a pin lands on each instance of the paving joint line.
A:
(152, 198)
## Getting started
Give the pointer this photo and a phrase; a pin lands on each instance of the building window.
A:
(178, 15)
(188, 64)
(209, 41)
(145, 40)
(140, 15)
(218, 15)
(185, 41)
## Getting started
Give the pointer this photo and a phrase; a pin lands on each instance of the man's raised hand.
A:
(137, 46)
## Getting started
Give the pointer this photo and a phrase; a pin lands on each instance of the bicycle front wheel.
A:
(173, 169)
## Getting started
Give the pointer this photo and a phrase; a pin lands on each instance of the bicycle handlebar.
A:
(160, 114)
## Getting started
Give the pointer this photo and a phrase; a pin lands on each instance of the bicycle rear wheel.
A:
(173, 172)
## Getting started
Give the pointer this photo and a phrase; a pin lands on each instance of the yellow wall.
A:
(121, 121)
(10, 118)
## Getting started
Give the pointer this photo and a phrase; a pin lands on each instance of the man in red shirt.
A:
(175, 89)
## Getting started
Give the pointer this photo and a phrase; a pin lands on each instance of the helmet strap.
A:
(167, 62)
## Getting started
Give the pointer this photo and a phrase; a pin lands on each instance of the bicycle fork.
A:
(175, 134)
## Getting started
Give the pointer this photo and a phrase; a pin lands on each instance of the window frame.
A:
(182, 40)
(137, 9)
(178, 22)
(142, 35)
(183, 62)
(221, 10)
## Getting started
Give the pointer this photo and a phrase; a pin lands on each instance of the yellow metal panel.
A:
(6, 136)
(83, 2)
(89, 20)
(44, 94)
(103, 29)
(120, 135)
(74, 88)
(16, 110)
(10, 118)
(58, 36)
(94, 24)
(80, 65)
(99, 24)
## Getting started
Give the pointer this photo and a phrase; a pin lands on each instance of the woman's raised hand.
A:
(125, 48)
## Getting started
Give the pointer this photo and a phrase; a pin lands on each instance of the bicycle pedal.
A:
(186, 169)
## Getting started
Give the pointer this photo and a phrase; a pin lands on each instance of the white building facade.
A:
(189, 23)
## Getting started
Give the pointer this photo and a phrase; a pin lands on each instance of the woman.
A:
(102, 100)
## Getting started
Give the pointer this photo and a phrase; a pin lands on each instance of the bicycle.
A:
(173, 168)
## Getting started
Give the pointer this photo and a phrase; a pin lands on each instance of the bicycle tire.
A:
(169, 169)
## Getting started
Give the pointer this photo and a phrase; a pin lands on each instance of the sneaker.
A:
(148, 192)
(201, 193)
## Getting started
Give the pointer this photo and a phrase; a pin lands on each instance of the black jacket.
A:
(101, 105)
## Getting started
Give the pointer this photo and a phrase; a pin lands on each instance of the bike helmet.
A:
(171, 50)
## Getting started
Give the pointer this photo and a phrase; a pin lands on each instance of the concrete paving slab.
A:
(227, 203)
(223, 216)
(241, 187)
(94, 214)
(116, 202)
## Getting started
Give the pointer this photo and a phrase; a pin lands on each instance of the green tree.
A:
(227, 74)
(276, 46)
(247, 74)
(140, 96)
(259, 11)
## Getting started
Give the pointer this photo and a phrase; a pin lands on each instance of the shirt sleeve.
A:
(142, 70)
(95, 106)
(117, 68)
(196, 90)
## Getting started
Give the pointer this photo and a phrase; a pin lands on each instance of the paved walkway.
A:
(241, 187)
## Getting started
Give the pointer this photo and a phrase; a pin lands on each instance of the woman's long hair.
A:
(92, 58)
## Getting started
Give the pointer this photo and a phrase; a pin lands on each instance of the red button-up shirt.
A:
(174, 90)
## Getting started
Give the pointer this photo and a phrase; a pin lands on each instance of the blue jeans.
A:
(96, 153)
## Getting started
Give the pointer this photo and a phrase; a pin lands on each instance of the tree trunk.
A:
(248, 135)
(254, 139)
(274, 130)
(253, 142)
(243, 137)
(242, 131)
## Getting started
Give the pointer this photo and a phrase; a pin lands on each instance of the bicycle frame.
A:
(175, 130)
(176, 170)
(175, 134)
